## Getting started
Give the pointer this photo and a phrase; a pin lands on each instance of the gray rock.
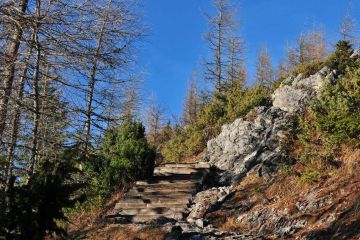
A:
(244, 144)
(356, 53)
(205, 201)
(272, 221)
(294, 97)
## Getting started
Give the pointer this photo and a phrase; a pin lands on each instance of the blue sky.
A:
(175, 46)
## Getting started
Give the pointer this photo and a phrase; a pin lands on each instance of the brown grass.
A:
(85, 218)
(230, 225)
(118, 232)
(350, 157)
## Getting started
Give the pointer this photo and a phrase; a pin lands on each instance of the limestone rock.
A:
(356, 53)
(204, 201)
(244, 143)
(298, 92)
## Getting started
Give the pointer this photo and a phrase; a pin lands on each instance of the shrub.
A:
(337, 111)
(332, 119)
(308, 68)
(340, 58)
(34, 207)
(125, 156)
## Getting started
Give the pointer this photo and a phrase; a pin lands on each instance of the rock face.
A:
(253, 144)
(299, 91)
(204, 201)
(256, 144)
(245, 144)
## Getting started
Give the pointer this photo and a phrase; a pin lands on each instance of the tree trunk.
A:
(16, 123)
(218, 57)
(36, 102)
(9, 72)
(91, 88)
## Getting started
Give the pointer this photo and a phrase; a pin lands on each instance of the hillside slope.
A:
(284, 171)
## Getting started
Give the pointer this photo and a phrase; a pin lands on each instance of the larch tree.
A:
(236, 73)
(222, 30)
(311, 46)
(347, 27)
(191, 105)
(265, 74)
(14, 17)
(154, 119)
(115, 34)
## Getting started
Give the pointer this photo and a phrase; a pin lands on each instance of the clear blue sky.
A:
(175, 45)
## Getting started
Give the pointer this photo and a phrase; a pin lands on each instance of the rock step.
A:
(154, 199)
(178, 176)
(149, 205)
(150, 195)
(174, 172)
(146, 218)
(151, 211)
(155, 190)
(199, 165)
(175, 183)
(171, 170)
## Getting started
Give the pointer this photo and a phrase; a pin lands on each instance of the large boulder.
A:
(254, 142)
(296, 93)
(205, 201)
(246, 143)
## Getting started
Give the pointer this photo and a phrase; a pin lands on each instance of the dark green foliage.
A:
(340, 58)
(337, 111)
(124, 157)
(331, 121)
(33, 208)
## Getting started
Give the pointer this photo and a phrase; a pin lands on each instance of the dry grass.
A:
(350, 158)
(230, 225)
(196, 158)
(117, 232)
(86, 217)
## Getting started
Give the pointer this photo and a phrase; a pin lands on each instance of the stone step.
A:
(162, 190)
(154, 199)
(121, 205)
(175, 183)
(172, 170)
(146, 218)
(199, 165)
(151, 211)
(180, 177)
(173, 195)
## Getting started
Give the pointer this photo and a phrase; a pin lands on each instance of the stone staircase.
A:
(167, 194)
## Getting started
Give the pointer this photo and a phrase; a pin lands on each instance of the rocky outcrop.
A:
(245, 144)
(255, 144)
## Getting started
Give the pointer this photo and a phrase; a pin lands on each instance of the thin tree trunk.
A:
(218, 58)
(9, 72)
(16, 123)
(91, 87)
(36, 102)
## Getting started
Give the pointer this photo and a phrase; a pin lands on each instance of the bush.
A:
(34, 207)
(331, 121)
(125, 156)
(337, 111)
(340, 58)
(308, 68)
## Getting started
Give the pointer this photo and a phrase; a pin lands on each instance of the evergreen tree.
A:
(340, 59)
